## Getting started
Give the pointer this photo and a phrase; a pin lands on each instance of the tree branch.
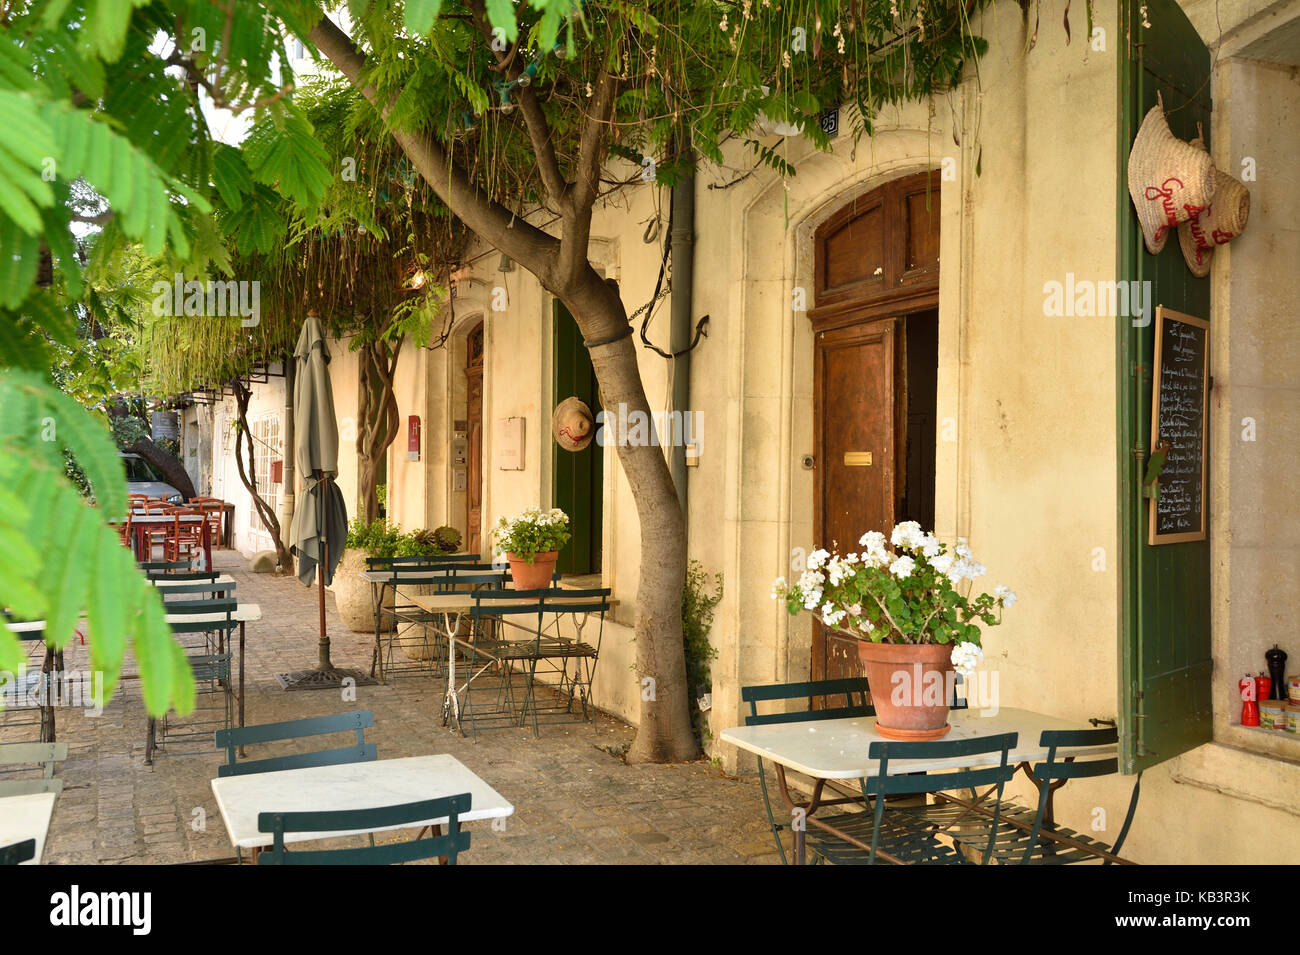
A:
(522, 241)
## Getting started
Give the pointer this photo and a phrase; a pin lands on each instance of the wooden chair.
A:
(447, 846)
(153, 535)
(185, 537)
(44, 755)
(18, 853)
(892, 836)
(214, 511)
(359, 752)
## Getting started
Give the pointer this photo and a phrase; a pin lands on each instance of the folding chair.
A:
(360, 751)
(210, 669)
(35, 757)
(1032, 836)
(892, 836)
(406, 574)
(856, 694)
(448, 846)
(34, 688)
(505, 654)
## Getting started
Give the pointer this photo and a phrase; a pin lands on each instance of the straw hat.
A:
(1169, 180)
(1222, 222)
(573, 424)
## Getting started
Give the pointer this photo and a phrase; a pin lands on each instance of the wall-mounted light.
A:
(507, 265)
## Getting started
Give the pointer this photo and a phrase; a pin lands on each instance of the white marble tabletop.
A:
(214, 584)
(27, 626)
(26, 817)
(244, 613)
(837, 749)
(383, 782)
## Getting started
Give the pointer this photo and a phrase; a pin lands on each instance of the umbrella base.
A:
(323, 679)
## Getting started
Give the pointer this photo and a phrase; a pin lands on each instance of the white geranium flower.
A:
(1006, 596)
(872, 540)
(930, 546)
(962, 548)
(966, 656)
(943, 563)
(779, 588)
(817, 558)
(907, 535)
(830, 616)
(902, 567)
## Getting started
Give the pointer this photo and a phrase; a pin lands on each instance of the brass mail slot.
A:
(857, 459)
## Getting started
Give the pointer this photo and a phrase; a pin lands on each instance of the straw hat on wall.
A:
(573, 424)
(1169, 180)
(1222, 222)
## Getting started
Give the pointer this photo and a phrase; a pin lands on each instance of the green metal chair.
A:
(448, 845)
(36, 757)
(232, 739)
(1032, 836)
(892, 836)
(855, 693)
(36, 685)
(154, 568)
(18, 852)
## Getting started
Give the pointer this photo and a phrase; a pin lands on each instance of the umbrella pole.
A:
(325, 663)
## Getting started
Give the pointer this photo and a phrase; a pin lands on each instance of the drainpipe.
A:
(288, 446)
(679, 335)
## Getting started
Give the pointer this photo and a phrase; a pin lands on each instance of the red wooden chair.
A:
(185, 537)
(214, 509)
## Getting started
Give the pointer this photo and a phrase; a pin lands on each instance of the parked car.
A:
(142, 478)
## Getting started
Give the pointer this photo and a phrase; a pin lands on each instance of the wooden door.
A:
(876, 263)
(856, 445)
(474, 398)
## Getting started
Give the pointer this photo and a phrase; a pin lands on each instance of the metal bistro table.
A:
(452, 607)
(368, 785)
(837, 749)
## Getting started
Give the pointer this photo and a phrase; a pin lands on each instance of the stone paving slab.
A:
(574, 802)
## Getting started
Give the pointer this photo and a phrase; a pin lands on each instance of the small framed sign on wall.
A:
(509, 441)
(1179, 401)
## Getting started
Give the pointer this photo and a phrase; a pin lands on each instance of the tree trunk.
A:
(664, 733)
(171, 468)
(379, 420)
(248, 476)
(562, 266)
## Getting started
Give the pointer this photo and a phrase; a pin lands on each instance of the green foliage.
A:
(698, 604)
(379, 538)
(60, 560)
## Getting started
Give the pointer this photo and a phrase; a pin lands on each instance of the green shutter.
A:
(1164, 627)
(577, 484)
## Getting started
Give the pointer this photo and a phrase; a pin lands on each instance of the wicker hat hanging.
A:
(1222, 222)
(573, 424)
(1169, 180)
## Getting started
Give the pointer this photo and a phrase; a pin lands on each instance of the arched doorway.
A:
(875, 365)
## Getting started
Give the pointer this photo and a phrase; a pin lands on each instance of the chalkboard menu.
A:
(1180, 388)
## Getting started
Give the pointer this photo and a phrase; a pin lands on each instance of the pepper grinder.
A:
(1276, 659)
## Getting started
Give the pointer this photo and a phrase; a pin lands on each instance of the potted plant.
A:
(352, 595)
(911, 611)
(531, 542)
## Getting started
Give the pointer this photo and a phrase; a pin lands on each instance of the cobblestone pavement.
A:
(574, 802)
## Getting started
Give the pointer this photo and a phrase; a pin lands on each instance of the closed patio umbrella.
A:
(320, 518)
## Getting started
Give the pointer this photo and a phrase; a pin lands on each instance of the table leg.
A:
(207, 545)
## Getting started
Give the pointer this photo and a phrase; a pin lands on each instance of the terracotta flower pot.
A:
(534, 576)
(909, 688)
